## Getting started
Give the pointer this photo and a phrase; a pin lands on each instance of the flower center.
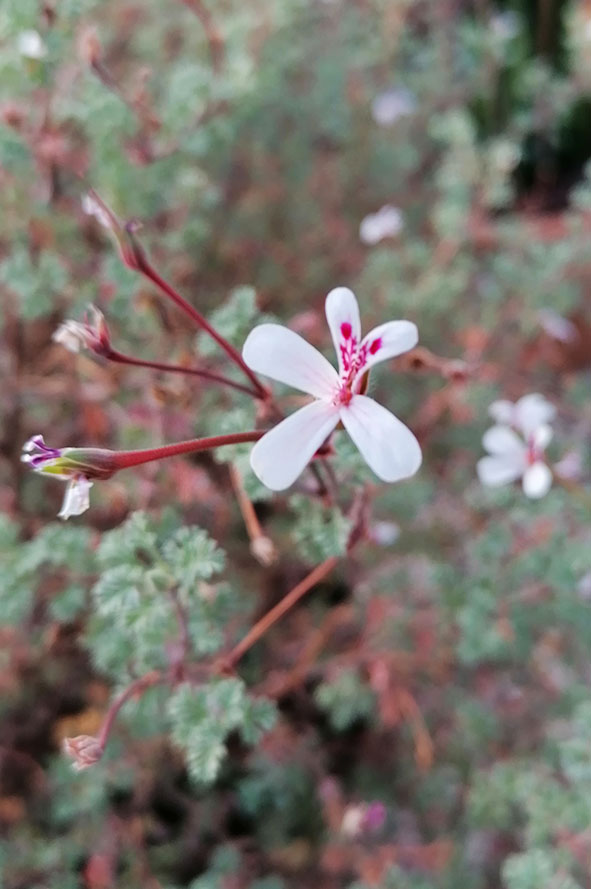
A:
(534, 453)
(354, 357)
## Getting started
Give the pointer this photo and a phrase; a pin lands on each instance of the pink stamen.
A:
(534, 453)
(347, 348)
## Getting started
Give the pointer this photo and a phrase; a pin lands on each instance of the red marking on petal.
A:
(346, 329)
(376, 344)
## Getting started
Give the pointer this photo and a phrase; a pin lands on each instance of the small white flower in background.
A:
(392, 104)
(584, 586)
(384, 533)
(386, 445)
(386, 223)
(514, 455)
(505, 25)
(31, 46)
(557, 326)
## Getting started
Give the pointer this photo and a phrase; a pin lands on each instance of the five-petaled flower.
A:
(76, 466)
(514, 456)
(92, 333)
(386, 444)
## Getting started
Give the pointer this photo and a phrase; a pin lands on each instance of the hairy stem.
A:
(120, 358)
(143, 265)
(137, 687)
(126, 459)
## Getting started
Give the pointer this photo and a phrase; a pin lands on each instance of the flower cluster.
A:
(279, 457)
(516, 445)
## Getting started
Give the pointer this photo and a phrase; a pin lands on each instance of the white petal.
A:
(279, 353)
(537, 480)
(370, 230)
(387, 445)
(281, 455)
(388, 106)
(31, 45)
(493, 471)
(502, 411)
(70, 334)
(542, 436)
(76, 498)
(388, 340)
(532, 411)
(342, 314)
(502, 440)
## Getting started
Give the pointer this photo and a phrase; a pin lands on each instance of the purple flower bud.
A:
(73, 465)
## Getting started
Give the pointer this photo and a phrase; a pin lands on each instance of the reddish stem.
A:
(143, 266)
(120, 358)
(137, 687)
(125, 459)
(277, 612)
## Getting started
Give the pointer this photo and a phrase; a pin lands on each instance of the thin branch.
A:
(214, 39)
(276, 613)
(261, 546)
(137, 687)
(120, 358)
(143, 266)
(125, 459)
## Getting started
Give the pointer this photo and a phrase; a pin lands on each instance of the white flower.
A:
(31, 45)
(513, 456)
(505, 25)
(392, 104)
(526, 415)
(386, 223)
(387, 446)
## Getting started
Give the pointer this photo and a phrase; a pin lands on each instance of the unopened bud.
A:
(69, 463)
(130, 251)
(85, 750)
(91, 334)
(263, 549)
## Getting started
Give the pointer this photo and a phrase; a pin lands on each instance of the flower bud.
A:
(69, 463)
(85, 750)
(130, 251)
(73, 465)
(92, 334)
(263, 549)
